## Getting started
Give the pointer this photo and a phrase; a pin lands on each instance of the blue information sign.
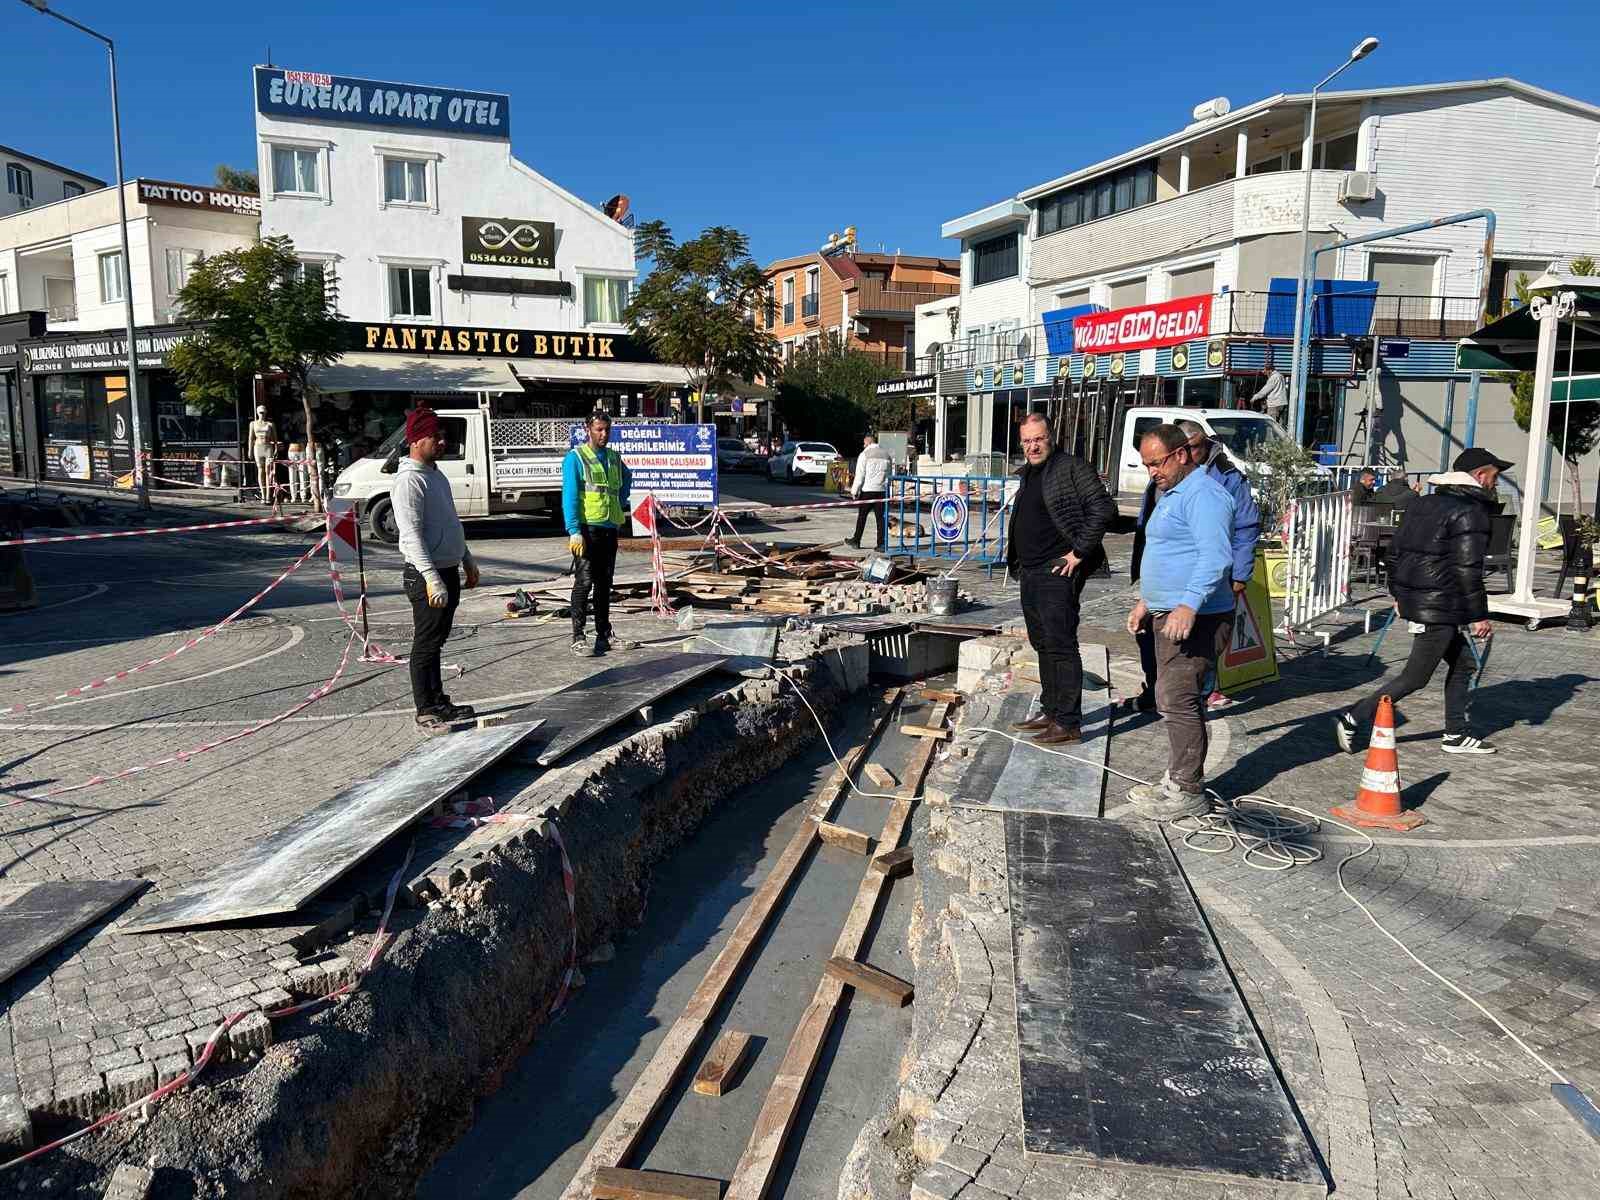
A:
(311, 95)
(677, 464)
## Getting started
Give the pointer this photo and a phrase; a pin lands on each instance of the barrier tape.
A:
(380, 943)
(123, 533)
(371, 652)
(95, 684)
(572, 911)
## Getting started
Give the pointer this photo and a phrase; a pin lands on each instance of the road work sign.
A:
(1250, 657)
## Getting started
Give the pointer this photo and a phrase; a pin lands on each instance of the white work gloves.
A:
(575, 544)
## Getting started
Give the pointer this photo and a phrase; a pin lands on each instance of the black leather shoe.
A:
(1058, 735)
(1034, 725)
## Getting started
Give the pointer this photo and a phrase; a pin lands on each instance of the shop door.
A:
(113, 448)
(10, 425)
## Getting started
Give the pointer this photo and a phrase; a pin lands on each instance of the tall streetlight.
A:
(1302, 354)
(127, 261)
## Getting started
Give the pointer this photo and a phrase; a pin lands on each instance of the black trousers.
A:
(593, 573)
(430, 627)
(876, 509)
(1050, 609)
(1436, 644)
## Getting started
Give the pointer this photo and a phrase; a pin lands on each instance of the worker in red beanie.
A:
(438, 565)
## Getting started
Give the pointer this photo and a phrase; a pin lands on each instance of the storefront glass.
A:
(955, 429)
(65, 426)
(10, 425)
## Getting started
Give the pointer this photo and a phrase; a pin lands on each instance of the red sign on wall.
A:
(1143, 327)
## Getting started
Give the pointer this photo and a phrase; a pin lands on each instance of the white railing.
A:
(1318, 561)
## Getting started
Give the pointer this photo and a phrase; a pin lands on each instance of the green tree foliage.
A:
(694, 309)
(258, 313)
(827, 394)
(1575, 426)
(237, 179)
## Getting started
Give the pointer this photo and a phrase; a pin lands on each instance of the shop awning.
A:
(1579, 387)
(1511, 342)
(358, 372)
(561, 370)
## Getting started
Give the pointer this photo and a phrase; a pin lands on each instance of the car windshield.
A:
(395, 441)
(817, 448)
(1245, 436)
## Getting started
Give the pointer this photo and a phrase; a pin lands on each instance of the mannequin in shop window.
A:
(264, 449)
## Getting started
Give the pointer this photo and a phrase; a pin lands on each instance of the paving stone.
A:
(126, 1084)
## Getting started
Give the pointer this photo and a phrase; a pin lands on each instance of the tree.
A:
(1575, 427)
(259, 312)
(828, 393)
(237, 179)
(694, 309)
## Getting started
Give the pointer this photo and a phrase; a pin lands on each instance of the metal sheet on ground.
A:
(590, 707)
(982, 619)
(746, 645)
(1008, 777)
(1135, 1046)
(39, 918)
(285, 870)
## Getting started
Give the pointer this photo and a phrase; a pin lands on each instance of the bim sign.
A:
(1142, 328)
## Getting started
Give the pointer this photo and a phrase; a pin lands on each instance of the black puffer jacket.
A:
(1436, 565)
(1079, 505)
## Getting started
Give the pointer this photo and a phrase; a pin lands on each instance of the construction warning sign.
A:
(1250, 657)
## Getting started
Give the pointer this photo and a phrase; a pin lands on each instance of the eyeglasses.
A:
(1160, 462)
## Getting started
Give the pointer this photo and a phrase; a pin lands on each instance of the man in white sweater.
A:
(871, 482)
(438, 565)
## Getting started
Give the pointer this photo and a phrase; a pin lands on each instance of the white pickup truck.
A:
(495, 465)
(1242, 434)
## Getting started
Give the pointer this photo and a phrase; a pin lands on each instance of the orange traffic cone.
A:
(1377, 803)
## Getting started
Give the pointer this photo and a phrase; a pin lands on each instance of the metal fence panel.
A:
(1318, 565)
(951, 516)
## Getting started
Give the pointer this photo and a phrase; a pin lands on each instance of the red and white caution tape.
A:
(572, 911)
(117, 677)
(124, 533)
(380, 943)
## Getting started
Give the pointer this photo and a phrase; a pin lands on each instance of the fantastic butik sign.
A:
(1143, 327)
(311, 95)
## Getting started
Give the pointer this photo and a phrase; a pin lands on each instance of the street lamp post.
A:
(1301, 359)
(139, 481)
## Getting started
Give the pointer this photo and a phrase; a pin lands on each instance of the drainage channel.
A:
(531, 1138)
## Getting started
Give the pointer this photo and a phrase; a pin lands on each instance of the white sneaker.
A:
(1344, 732)
(1464, 743)
(1165, 802)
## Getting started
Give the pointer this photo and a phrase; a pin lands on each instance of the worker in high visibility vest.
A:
(594, 503)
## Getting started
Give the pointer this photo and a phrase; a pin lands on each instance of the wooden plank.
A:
(879, 776)
(895, 863)
(926, 731)
(616, 1183)
(759, 1162)
(644, 1098)
(722, 1063)
(845, 838)
(947, 697)
(865, 978)
(40, 917)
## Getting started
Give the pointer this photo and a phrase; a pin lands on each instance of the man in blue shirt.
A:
(1186, 596)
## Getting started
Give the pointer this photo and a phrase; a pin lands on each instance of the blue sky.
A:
(784, 122)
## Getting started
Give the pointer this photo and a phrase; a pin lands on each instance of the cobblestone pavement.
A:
(105, 1014)
(1407, 1090)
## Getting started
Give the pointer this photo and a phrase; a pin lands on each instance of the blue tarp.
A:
(1058, 325)
(1340, 307)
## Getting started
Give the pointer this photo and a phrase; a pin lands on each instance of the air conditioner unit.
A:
(1357, 185)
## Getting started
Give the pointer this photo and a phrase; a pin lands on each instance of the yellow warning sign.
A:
(1250, 657)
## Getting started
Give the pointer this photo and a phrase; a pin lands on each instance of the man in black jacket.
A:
(1058, 521)
(1436, 575)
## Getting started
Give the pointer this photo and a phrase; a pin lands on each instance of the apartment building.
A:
(1214, 209)
(865, 301)
(31, 181)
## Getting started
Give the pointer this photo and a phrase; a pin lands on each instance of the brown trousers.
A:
(1180, 699)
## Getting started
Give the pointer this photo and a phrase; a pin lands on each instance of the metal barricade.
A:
(1318, 559)
(950, 516)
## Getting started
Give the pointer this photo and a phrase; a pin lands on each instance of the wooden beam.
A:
(759, 1163)
(618, 1139)
(722, 1063)
(946, 697)
(894, 863)
(869, 979)
(615, 1183)
(879, 776)
(926, 731)
(845, 838)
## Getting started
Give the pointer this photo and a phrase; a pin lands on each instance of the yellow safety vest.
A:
(600, 487)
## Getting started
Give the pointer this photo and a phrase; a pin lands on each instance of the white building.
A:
(1214, 209)
(442, 245)
(31, 181)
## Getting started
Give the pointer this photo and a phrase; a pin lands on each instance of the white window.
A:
(5, 292)
(405, 181)
(70, 189)
(410, 292)
(604, 300)
(295, 171)
(19, 182)
(180, 262)
(315, 268)
(111, 277)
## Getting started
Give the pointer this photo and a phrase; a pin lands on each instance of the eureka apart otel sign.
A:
(311, 95)
(584, 346)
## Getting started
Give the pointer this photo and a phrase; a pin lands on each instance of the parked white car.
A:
(796, 460)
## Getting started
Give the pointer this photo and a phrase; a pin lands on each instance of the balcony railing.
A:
(877, 296)
(788, 312)
(810, 306)
(62, 312)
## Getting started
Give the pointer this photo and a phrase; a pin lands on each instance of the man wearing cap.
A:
(1436, 575)
(438, 565)
(594, 504)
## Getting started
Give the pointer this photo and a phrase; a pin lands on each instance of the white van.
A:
(1242, 434)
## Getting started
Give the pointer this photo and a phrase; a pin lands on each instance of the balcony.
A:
(810, 307)
(1271, 314)
(876, 297)
(1222, 212)
(57, 313)
(788, 312)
